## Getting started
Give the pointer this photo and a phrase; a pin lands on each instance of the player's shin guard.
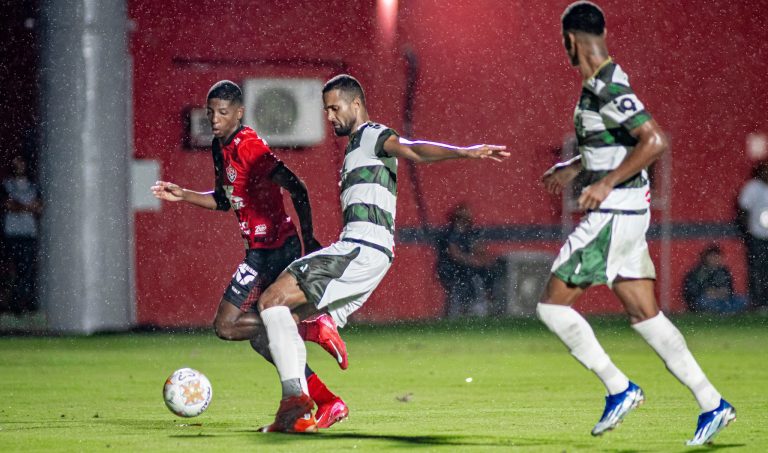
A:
(574, 331)
(282, 332)
(669, 344)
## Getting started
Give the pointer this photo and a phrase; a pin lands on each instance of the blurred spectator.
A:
(753, 201)
(708, 287)
(465, 269)
(21, 206)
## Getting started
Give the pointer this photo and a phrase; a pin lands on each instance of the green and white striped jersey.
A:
(369, 187)
(607, 110)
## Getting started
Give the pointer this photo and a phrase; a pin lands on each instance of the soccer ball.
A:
(187, 392)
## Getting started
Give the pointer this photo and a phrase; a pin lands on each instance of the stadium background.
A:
(486, 73)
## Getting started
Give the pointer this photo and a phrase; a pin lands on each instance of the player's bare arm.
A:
(651, 145)
(424, 151)
(561, 174)
(169, 191)
(288, 180)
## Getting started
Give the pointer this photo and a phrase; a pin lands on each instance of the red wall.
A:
(487, 74)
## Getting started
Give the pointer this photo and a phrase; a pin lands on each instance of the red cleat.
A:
(329, 413)
(293, 416)
(322, 330)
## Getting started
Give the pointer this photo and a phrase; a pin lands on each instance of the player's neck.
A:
(592, 59)
(361, 119)
(227, 138)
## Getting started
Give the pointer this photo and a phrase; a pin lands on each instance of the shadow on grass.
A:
(712, 447)
(412, 440)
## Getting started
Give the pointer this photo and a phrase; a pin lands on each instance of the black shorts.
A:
(257, 271)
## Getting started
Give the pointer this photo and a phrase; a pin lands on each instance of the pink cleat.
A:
(329, 413)
(322, 330)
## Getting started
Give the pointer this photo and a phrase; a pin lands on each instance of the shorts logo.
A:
(303, 268)
(231, 173)
(260, 230)
(245, 274)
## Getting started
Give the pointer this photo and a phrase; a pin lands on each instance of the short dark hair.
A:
(347, 85)
(227, 91)
(585, 17)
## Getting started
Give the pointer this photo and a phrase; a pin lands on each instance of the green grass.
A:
(103, 393)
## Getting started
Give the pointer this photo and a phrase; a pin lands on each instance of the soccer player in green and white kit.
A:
(617, 140)
(339, 278)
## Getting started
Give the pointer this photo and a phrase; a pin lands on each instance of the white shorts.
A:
(340, 277)
(605, 246)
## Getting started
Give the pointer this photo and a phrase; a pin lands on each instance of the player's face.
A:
(339, 112)
(224, 116)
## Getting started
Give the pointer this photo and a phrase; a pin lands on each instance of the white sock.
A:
(670, 345)
(301, 352)
(574, 331)
(282, 333)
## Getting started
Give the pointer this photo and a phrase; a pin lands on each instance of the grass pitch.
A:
(408, 388)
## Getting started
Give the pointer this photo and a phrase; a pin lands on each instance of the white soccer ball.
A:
(187, 392)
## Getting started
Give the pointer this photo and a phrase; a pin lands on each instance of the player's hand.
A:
(493, 152)
(167, 191)
(593, 195)
(311, 245)
(558, 176)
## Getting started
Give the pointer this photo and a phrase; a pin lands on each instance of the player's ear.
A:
(240, 112)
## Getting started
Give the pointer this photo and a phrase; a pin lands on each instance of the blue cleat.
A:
(712, 422)
(617, 407)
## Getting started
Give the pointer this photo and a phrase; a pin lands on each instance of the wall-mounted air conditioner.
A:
(285, 112)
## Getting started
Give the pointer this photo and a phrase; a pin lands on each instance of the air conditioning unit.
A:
(525, 275)
(285, 112)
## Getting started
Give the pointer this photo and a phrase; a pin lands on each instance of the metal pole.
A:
(84, 280)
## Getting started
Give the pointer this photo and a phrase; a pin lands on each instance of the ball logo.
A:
(231, 173)
(192, 392)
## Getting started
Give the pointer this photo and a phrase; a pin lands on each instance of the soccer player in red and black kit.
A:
(249, 180)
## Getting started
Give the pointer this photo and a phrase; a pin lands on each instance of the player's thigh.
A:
(582, 260)
(227, 312)
(250, 279)
(285, 291)
(628, 255)
(638, 298)
(558, 292)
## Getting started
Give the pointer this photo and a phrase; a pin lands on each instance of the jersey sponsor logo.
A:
(237, 203)
(260, 230)
(231, 173)
(245, 274)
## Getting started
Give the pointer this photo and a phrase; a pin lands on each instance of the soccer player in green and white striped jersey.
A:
(339, 278)
(617, 141)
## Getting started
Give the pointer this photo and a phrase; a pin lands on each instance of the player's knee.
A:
(224, 328)
(271, 298)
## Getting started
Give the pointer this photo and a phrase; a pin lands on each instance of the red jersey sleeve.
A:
(259, 158)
